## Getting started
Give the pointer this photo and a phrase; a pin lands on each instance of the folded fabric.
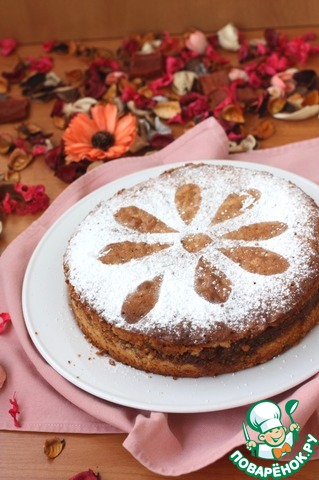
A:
(166, 443)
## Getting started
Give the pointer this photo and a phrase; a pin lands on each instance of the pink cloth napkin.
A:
(169, 444)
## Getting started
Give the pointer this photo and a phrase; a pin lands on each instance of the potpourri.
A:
(163, 84)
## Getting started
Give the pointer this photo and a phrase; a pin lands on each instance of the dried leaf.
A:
(26, 130)
(210, 283)
(123, 252)
(53, 447)
(59, 122)
(5, 145)
(296, 100)
(75, 77)
(264, 130)
(312, 98)
(142, 300)
(111, 93)
(140, 220)
(276, 104)
(11, 176)
(167, 110)
(3, 85)
(19, 160)
(232, 113)
(257, 260)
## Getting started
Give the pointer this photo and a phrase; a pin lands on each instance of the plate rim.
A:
(148, 172)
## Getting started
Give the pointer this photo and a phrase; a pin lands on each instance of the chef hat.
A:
(264, 416)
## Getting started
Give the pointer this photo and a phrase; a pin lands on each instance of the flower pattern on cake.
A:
(210, 282)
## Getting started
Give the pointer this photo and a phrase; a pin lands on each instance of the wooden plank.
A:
(37, 20)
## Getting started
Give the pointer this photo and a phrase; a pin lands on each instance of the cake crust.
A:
(201, 271)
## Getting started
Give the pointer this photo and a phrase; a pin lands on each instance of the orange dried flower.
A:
(101, 136)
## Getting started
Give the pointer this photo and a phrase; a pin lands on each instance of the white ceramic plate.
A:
(57, 337)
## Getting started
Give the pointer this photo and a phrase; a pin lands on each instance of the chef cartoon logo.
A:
(270, 437)
(276, 440)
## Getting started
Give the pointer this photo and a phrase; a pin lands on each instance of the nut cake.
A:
(204, 270)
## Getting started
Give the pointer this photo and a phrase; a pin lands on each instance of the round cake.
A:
(204, 270)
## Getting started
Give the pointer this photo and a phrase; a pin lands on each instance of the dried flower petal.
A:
(3, 376)
(167, 110)
(83, 105)
(7, 46)
(53, 447)
(197, 42)
(14, 411)
(4, 319)
(86, 475)
(40, 65)
(228, 37)
(183, 82)
(302, 114)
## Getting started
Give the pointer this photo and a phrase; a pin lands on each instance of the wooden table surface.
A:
(21, 453)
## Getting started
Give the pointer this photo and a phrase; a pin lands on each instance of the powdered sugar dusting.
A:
(253, 298)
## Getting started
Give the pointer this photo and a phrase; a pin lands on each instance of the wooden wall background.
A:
(31, 21)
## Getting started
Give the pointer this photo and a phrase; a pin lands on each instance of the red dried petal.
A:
(70, 172)
(86, 475)
(94, 85)
(55, 158)
(40, 65)
(14, 410)
(161, 141)
(38, 150)
(25, 191)
(48, 46)
(8, 205)
(8, 45)
(30, 199)
(162, 82)
(174, 64)
(4, 319)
